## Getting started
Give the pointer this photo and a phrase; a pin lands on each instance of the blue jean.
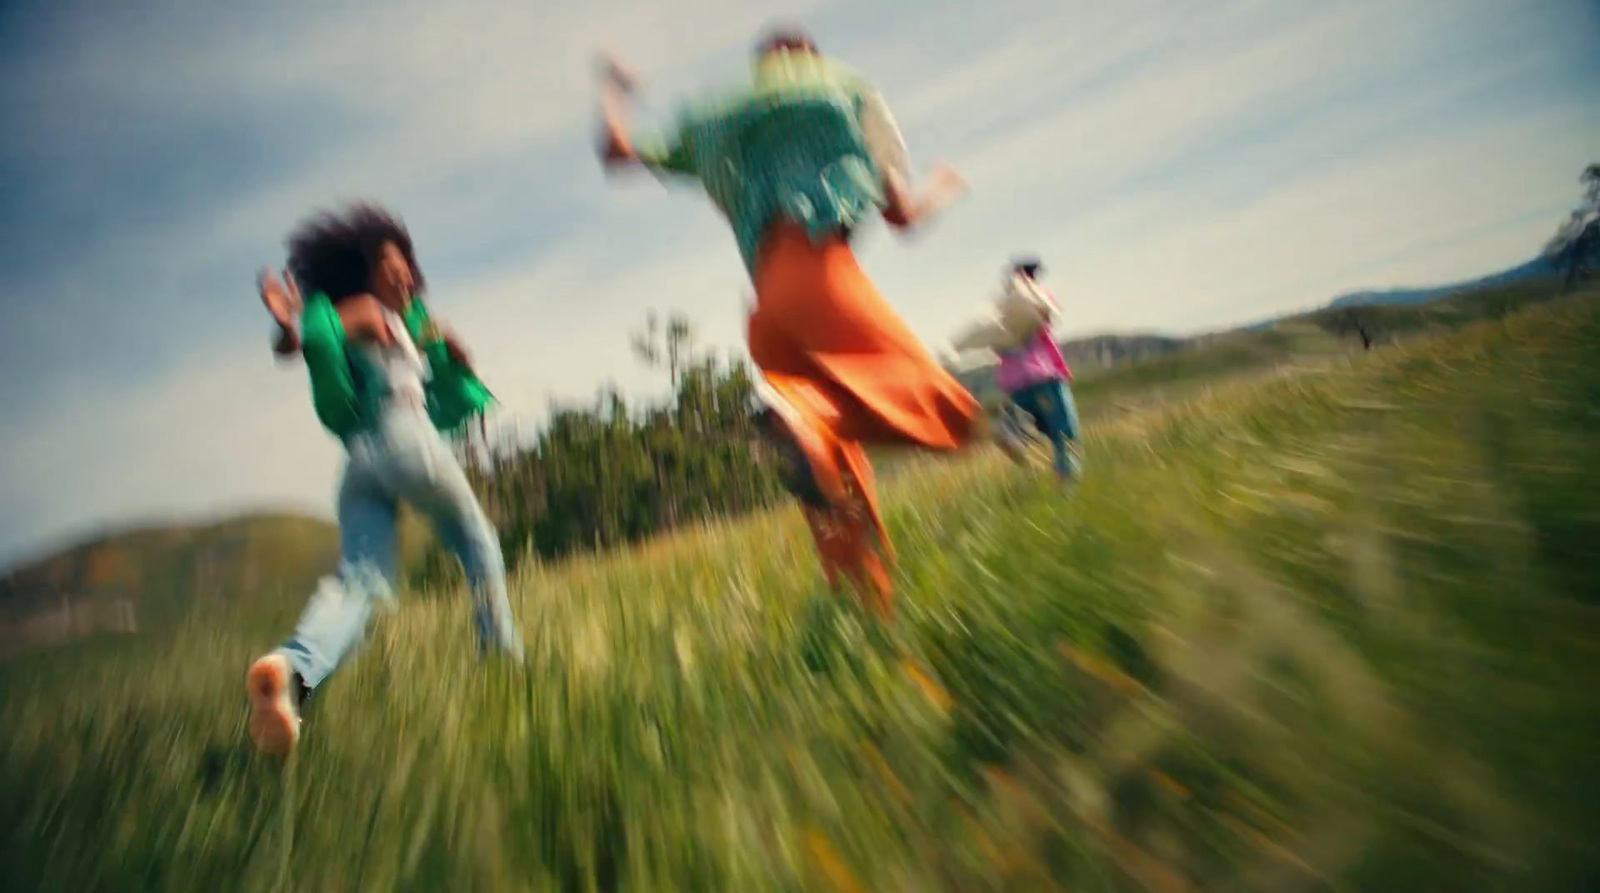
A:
(1055, 415)
(401, 458)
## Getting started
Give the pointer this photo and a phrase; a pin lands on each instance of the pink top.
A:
(1039, 361)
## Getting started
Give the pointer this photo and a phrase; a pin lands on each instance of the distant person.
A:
(796, 163)
(1033, 373)
(386, 381)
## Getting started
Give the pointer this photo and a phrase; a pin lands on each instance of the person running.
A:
(1033, 374)
(386, 380)
(797, 163)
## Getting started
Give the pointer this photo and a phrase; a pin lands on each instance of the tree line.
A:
(609, 473)
(1575, 247)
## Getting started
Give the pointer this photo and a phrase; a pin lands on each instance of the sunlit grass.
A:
(1332, 628)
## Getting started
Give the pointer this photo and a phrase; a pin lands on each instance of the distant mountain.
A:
(248, 572)
(1539, 267)
(149, 579)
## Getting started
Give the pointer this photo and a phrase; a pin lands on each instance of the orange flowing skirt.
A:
(848, 372)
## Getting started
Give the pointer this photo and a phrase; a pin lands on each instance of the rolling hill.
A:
(1538, 268)
(148, 579)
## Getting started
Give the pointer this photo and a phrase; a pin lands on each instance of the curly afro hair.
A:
(335, 252)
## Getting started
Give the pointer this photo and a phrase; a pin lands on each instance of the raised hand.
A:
(617, 85)
(616, 74)
(905, 211)
(284, 303)
(945, 185)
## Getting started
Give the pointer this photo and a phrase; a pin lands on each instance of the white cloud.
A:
(1252, 169)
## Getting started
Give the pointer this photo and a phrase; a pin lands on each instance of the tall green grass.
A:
(1332, 629)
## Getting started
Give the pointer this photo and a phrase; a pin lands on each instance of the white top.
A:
(1021, 306)
(401, 365)
(1012, 319)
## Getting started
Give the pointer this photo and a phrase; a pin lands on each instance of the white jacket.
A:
(1023, 304)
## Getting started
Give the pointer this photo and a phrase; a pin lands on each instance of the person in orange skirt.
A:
(796, 163)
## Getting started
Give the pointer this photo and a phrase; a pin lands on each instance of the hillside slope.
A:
(1126, 364)
(1521, 274)
(146, 580)
(1331, 629)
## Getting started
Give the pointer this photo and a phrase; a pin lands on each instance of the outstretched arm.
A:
(616, 85)
(617, 149)
(621, 147)
(903, 208)
(985, 335)
(906, 210)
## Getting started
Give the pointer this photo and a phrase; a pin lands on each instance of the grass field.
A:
(1329, 627)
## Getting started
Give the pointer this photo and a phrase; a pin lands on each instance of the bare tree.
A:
(673, 348)
(1359, 321)
(1576, 243)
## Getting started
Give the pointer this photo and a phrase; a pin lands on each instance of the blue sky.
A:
(1180, 165)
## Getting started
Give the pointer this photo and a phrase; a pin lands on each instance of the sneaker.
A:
(274, 705)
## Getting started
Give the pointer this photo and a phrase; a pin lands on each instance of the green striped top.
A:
(344, 389)
(810, 142)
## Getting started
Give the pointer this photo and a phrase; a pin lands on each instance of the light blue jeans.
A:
(402, 458)
(1056, 416)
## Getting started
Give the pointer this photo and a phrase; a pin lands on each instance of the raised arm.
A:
(617, 83)
(621, 147)
(283, 303)
(617, 149)
(985, 335)
(903, 208)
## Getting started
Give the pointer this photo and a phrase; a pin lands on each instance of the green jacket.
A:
(455, 395)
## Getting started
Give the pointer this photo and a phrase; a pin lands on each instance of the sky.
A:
(1181, 166)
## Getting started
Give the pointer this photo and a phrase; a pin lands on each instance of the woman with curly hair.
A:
(797, 163)
(386, 381)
